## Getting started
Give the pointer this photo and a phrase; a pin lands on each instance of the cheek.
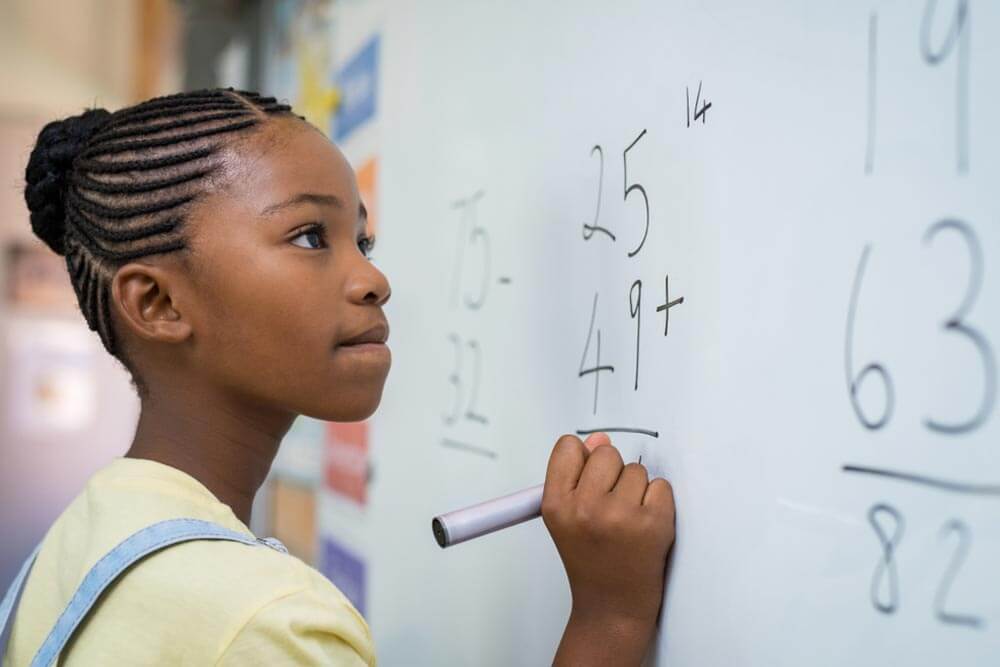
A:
(266, 326)
(272, 313)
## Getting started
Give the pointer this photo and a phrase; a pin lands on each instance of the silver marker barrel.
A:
(492, 515)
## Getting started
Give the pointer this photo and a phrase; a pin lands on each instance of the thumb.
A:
(595, 440)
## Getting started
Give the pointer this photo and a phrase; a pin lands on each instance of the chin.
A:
(353, 407)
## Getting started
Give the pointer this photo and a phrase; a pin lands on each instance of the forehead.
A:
(283, 158)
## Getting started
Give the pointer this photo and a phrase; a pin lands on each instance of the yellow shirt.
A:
(195, 603)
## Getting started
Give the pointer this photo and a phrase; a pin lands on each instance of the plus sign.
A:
(665, 308)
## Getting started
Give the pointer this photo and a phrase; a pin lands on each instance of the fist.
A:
(613, 528)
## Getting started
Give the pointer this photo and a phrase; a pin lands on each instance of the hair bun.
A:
(47, 174)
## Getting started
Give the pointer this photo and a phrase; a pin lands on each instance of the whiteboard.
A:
(820, 180)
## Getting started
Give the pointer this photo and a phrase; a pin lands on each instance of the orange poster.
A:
(368, 189)
(346, 460)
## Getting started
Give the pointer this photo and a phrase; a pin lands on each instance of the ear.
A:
(146, 305)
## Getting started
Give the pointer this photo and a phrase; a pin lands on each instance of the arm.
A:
(595, 639)
(613, 529)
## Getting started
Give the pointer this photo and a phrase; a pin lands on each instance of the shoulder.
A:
(304, 628)
(271, 607)
(189, 603)
(231, 575)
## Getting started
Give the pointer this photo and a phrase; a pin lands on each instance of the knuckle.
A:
(608, 518)
(649, 527)
(583, 514)
(618, 519)
(591, 519)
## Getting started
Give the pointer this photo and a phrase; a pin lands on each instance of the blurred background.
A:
(780, 143)
(67, 406)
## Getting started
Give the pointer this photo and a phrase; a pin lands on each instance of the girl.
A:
(218, 247)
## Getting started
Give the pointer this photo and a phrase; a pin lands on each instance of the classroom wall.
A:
(66, 408)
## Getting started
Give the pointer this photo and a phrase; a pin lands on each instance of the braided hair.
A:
(105, 188)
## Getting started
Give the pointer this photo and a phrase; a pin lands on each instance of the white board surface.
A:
(848, 163)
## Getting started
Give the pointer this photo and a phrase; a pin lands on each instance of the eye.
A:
(312, 238)
(366, 244)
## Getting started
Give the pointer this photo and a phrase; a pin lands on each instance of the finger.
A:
(659, 496)
(565, 465)
(632, 483)
(595, 440)
(601, 471)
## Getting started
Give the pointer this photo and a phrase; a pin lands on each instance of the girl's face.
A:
(285, 307)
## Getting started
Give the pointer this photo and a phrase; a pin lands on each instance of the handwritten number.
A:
(455, 379)
(936, 56)
(888, 524)
(597, 369)
(470, 412)
(635, 187)
(957, 36)
(956, 324)
(482, 236)
(957, 559)
(456, 279)
(885, 575)
(699, 112)
(854, 383)
(589, 230)
(872, 91)
(478, 234)
(635, 305)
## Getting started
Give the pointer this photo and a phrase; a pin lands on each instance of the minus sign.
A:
(504, 280)
(468, 447)
(619, 429)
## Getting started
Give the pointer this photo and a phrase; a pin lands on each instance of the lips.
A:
(376, 335)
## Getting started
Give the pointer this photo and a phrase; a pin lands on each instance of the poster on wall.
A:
(346, 460)
(346, 570)
(51, 376)
(358, 84)
(367, 174)
(37, 280)
(299, 57)
(293, 517)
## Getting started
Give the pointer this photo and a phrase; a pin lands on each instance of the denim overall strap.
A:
(137, 546)
(10, 600)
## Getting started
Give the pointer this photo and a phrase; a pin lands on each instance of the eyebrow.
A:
(313, 198)
(304, 198)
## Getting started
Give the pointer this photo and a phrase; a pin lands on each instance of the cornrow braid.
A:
(98, 167)
(106, 188)
(152, 114)
(165, 138)
(151, 128)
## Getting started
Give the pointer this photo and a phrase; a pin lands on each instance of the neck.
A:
(225, 443)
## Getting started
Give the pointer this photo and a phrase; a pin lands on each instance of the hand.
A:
(613, 529)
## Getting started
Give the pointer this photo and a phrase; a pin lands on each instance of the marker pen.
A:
(484, 518)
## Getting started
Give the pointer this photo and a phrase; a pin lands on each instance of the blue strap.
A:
(11, 598)
(113, 564)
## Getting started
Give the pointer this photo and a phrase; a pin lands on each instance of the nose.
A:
(368, 286)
